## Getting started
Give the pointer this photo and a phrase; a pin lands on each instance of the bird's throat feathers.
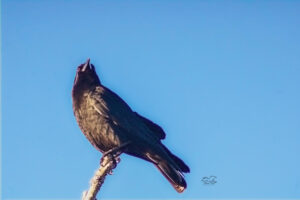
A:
(83, 84)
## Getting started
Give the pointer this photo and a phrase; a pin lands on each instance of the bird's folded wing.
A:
(111, 106)
(153, 127)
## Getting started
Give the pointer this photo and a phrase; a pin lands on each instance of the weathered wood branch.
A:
(107, 164)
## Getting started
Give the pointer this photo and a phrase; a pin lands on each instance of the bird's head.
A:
(86, 76)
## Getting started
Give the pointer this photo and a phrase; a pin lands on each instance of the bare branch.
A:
(107, 164)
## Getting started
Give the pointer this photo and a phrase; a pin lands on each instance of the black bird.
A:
(110, 124)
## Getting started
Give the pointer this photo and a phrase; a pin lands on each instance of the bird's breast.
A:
(95, 126)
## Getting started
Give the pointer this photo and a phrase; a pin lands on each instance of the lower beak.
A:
(86, 65)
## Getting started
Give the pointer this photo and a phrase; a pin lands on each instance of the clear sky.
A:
(221, 78)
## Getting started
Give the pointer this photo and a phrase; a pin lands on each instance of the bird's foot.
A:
(110, 158)
(113, 155)
(107, 157)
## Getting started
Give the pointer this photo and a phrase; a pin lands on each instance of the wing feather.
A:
(153, 127)
(109, 105)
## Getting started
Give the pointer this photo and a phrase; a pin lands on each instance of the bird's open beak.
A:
(86, 65)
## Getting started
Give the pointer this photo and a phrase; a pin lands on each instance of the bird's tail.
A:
(173, 175)
(183, 167)
(172, 168)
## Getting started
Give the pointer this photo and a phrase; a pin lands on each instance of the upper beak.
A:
(86, 65)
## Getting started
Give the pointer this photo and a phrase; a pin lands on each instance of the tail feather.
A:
(174, 176)
(183, 167)
(169, 165)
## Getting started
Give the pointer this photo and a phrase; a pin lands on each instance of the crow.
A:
(111, 125)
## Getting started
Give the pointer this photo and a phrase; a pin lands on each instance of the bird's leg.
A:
(116, 150)
(114, 153)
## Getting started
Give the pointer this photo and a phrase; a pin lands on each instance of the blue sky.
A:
(221, 78)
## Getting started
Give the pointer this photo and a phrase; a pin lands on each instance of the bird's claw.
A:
(110, 157)
(113, 154)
